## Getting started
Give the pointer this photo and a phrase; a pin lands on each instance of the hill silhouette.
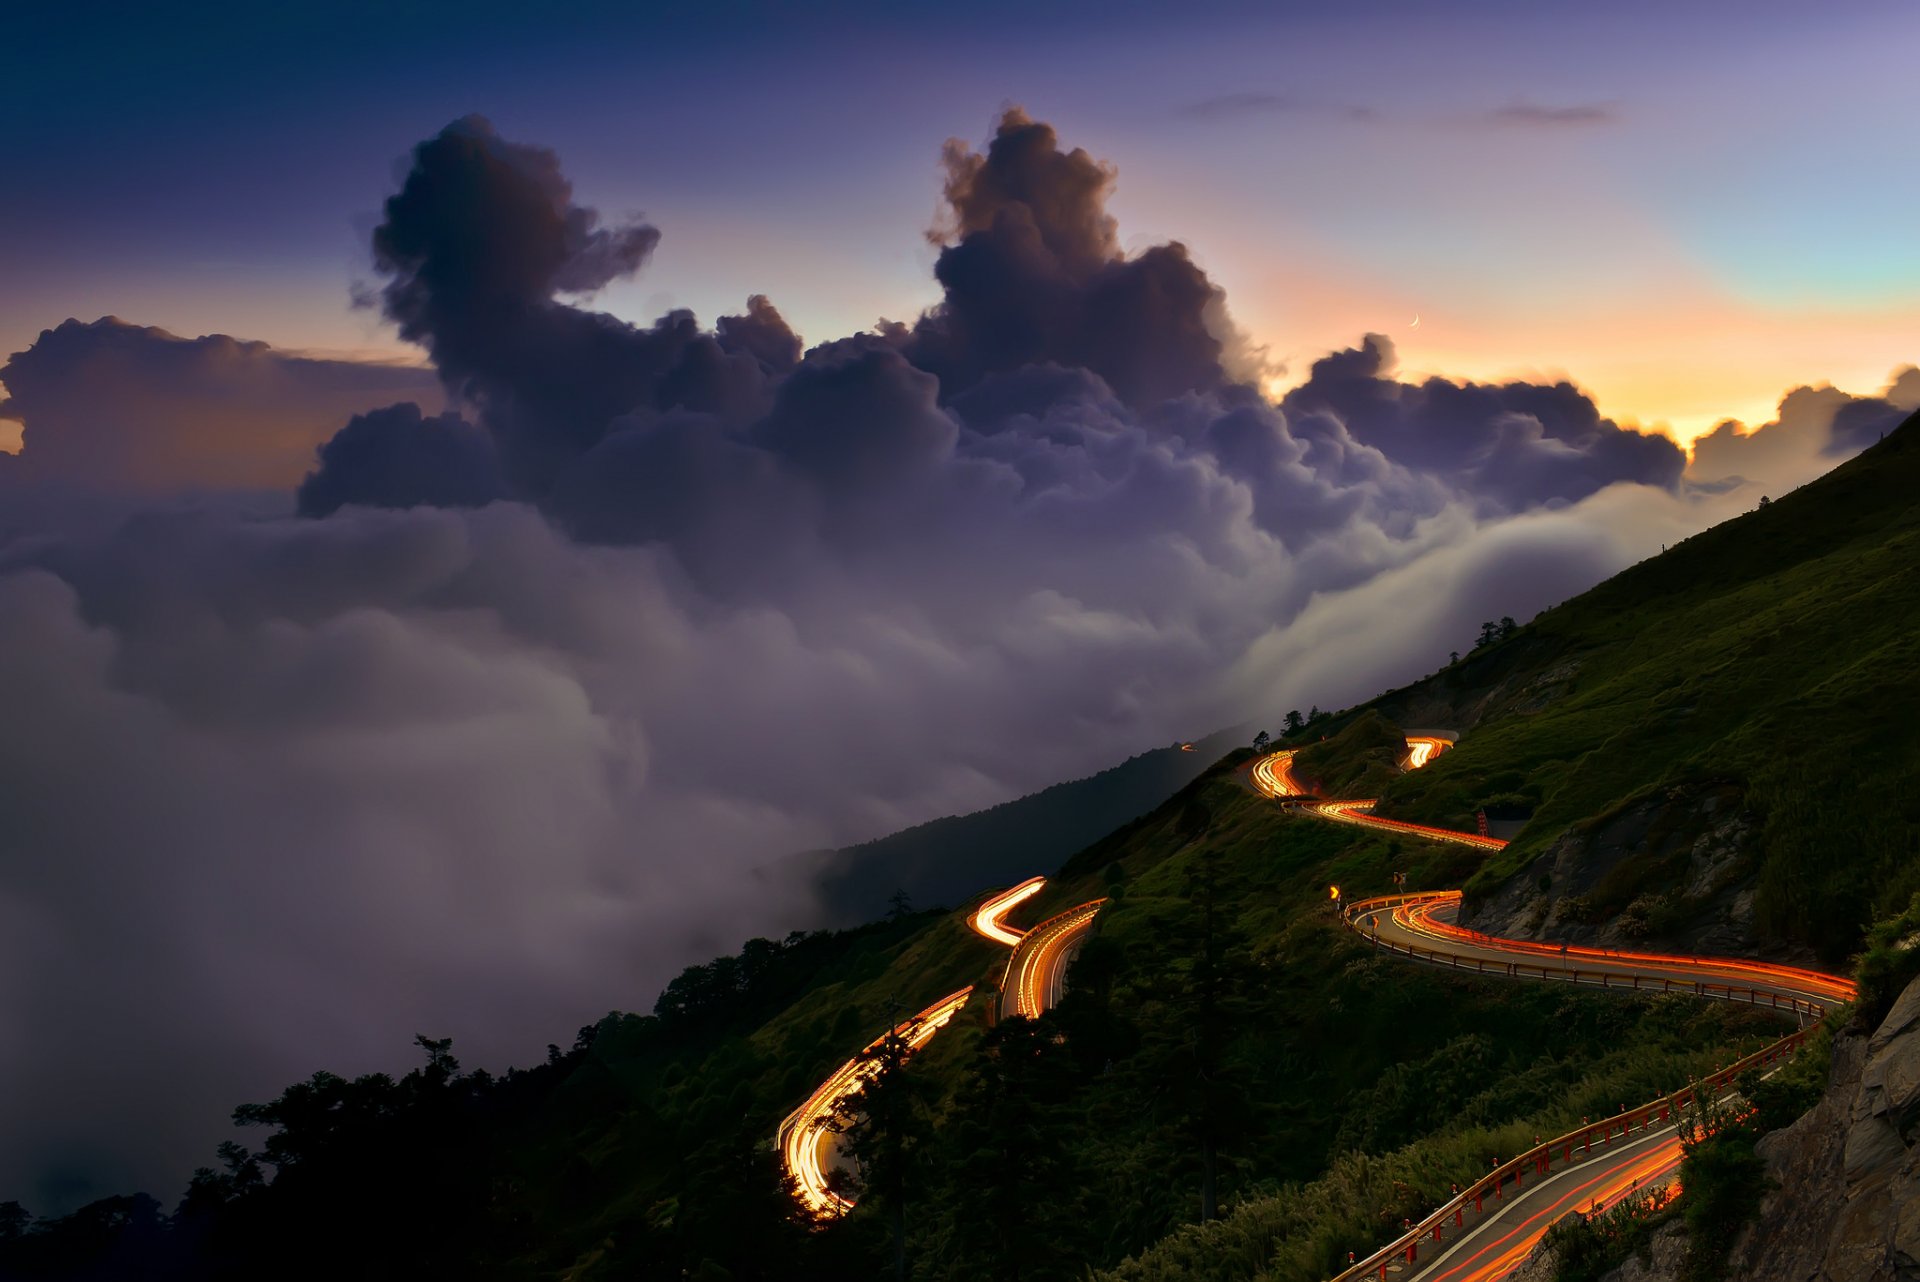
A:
(1718, 742)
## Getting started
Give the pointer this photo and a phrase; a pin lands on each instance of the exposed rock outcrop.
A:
(1674, 868)
(1848, 1205)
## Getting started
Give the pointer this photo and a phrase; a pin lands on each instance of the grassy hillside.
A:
(646, 1149)
(1761, 670)
(1727, 729)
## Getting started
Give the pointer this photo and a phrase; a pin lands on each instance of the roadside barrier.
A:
(1558, 1153)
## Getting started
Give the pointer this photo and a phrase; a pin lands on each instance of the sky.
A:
(1684, 207)
(413, 621)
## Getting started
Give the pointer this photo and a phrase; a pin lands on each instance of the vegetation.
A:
(1891, 962)
(1234, 1085)
(1759, 669)
(1588, 1247)
(1724, 1179)
(1364, 757)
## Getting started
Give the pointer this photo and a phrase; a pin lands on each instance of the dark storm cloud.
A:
(395, 457)
(1049, 342)
(288, 791)
(480, 239)
(130, 407)
(1033, 272)
(1509, 446)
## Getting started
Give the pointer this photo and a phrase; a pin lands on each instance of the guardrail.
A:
(1780, 995)
(1806, 1010)
(1539, 1160)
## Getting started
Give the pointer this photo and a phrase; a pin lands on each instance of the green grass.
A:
(1767, 661)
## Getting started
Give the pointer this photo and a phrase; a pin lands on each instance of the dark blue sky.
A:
(1533, 180)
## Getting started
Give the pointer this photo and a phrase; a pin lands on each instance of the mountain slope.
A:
(1718, 744)
(949, 860)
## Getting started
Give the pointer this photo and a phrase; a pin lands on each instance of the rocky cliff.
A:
(1848, 1205)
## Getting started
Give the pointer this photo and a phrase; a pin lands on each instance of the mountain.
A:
(1716, 746)
(949, 860)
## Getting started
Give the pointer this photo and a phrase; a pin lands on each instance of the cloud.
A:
(523, 714)
(1507, 447)
(1814, 428)
(1536, 116)
(396, 457)
(132, 408)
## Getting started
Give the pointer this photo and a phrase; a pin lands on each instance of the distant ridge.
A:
(946, 861)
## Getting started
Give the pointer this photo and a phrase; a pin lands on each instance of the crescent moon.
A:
(1416, 323)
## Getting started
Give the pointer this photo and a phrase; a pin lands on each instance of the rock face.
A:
(1674, 868)
(1848, 1205)
(1847, 1208)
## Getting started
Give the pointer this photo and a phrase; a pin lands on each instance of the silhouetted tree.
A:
(1206, 998)
(1454, 657)
(1507, 626)
(1489, 633)
(1295, 723)
(899, 905)
(886, 1125)
(1261, 741)
(1012, 1178)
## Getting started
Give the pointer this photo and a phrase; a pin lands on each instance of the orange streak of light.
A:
(1416, 914)
(1035, 966)
(1495, 1259)
(986, 919)
(804, 1130)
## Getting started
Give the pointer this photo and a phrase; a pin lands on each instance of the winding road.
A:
(1485, 1231)
(1035, 978)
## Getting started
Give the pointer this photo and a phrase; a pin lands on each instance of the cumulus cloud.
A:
(1815, 428)
(132, 408)
(1509, 446)
(523, 713)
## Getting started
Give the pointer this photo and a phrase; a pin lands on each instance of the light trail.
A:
(1035, 975)
(1037, 971)
(803, 1134)
(1357, 812)
(1500, 1255)
(986, 919)
(1273, 775)
(1396, 922)
(1420, 916)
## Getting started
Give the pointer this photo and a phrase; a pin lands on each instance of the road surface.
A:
(805, 1137)
(1484, 1232)
(1035, 977)
(1423, 926)
(1036, 974)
